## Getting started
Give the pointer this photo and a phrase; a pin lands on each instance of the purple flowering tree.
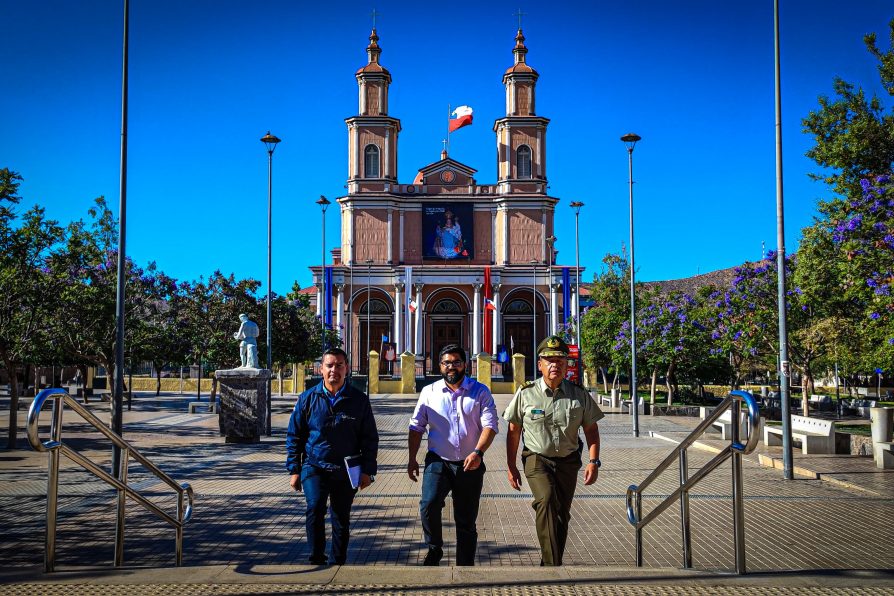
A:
(672, 340)
(863, 233)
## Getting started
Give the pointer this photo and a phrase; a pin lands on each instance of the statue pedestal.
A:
(243, 403)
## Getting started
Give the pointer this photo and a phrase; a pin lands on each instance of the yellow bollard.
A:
(518, 371)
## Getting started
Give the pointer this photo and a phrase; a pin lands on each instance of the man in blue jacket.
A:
(330, 422)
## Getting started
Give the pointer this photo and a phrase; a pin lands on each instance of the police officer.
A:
(547, 414)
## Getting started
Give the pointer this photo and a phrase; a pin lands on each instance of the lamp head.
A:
(323, 202)
(630, 140)
(576, 205)
(270, 141)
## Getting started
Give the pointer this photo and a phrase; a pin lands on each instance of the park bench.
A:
(725, 422)
(607, 400)
(883, 453)
(815, 435)
(205, 405)
(822, 403)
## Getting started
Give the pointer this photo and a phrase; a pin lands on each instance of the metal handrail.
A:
(735, 449)
(54, 447)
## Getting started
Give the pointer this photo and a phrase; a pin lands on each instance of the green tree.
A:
(601, 323)
(28, 290)
(854, 134)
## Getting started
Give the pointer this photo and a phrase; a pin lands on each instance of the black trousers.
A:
(322, 489)
(440, 478)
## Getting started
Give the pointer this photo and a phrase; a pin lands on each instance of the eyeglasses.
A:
(452, 363)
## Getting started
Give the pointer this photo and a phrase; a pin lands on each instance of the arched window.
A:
(523, 161)
(378, 307)
(371, 162)
(518, 307)
(446, 307)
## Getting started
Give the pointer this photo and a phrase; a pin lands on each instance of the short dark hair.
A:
(334, 352)
(452, 349)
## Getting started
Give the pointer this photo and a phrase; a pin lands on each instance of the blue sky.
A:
(209, 77)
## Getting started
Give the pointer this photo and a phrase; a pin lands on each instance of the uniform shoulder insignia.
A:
(528, 384)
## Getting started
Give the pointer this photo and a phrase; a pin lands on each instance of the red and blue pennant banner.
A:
(488, 314)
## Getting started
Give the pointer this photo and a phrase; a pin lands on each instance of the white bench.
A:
(209, 405)
(815, 435)
(883, 453)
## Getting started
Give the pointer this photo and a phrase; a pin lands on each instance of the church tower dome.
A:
(372, 134)
(521, 134)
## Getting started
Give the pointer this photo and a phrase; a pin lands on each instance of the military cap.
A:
(552, 346)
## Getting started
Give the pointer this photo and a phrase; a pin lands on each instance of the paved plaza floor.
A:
(247, 532)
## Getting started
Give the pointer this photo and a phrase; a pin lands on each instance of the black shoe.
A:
(340, 561)
(317, 560)
(433, 557)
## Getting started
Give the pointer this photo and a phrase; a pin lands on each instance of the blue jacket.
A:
(322, 435)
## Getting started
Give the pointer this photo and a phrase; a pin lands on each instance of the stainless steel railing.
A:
(734, 450)
(54, 447)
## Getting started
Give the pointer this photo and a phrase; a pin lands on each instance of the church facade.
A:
(442, 258)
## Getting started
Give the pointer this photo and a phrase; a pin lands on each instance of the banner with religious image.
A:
(447, 230)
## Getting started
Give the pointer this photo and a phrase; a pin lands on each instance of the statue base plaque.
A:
(243, 403)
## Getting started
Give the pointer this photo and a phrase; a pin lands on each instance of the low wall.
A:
(172, 385)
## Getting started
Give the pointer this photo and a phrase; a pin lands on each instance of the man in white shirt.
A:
(461, 419)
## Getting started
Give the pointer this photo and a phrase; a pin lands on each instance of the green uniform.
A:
(550, 423)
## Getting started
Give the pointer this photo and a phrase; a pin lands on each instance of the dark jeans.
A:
(440, 478)
(552, 482)
(319, 487)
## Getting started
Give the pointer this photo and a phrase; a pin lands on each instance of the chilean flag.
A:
(412, 305)
(463, 118)
(489, 304)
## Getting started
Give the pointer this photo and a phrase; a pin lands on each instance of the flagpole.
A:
(448, 129)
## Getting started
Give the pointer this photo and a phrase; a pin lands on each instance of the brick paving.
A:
(246, 516)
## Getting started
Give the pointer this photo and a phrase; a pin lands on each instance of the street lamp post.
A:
(369, 263)
(576, 205)
(630, 140)
(784, 372)
(534, 314)
(324, 203)
(270, 142)
(551, 241)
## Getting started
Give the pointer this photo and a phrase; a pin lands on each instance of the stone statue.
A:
(248, 346)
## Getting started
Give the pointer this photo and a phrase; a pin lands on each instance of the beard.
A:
(454, 376)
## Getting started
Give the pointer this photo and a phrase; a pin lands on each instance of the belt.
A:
(447, 461)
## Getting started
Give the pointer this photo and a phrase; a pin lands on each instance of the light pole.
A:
(270, 142)
(350, 317)
(369, 263)
(576, 205)
(534, 314)
(630, 140)
(118, 389)
(324, 203)
(784, 399)
(551, 241)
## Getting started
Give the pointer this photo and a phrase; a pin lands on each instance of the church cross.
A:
(374, 14)
(520, 14)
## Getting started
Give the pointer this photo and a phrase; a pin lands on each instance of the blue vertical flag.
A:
(327, 312)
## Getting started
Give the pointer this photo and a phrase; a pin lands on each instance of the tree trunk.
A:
(654, 383)
(604, 379)
(157, 379)
(279, 374)
(213, 397)
(671, 385)
(13, 404)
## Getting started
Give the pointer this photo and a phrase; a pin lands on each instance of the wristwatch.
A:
(596, 461)
(479, 452)
(372, 478)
